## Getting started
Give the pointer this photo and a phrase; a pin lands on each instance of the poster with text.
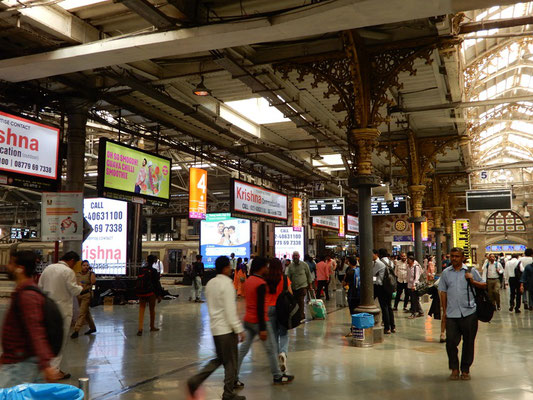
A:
(327, 221)
(252, 199)
(133, 173)
(352, 223)
(62, 216)
(106, 246)
(221, 235)
(197, 193)
(287, 241)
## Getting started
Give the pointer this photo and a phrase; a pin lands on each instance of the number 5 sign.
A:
(197, 193)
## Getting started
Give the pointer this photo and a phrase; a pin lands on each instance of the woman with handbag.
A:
(240, 277)
(86, 279)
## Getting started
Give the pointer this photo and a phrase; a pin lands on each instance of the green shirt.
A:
(299, 275)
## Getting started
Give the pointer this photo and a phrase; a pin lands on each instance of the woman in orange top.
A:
(240, 277)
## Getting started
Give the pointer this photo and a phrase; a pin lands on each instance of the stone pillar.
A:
(448, 236)
(363, 142)
(437, 229)
(148, 229)
(77, 112)
(417, 194)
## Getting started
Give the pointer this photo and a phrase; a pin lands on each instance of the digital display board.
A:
(106, 247)
(255, 200)
(29, 153)
(352, 224)
(486, 200)
(380, 207)
(221, 235)
(197, 193)
(461, 238)
(127, 173)
(288, 241)
(321, 207)
(23, 233)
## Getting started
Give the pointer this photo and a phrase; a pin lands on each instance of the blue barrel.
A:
(45, 391)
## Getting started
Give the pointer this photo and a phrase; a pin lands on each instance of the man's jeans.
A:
(402, 288)
(252, 330)
(514, 288)
(26, 371)
(196, 288)
(281, 336)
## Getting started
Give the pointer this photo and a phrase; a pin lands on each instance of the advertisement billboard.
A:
(62, 216)
(127, 173)
(221, 235)
(197, 193)
(288, 241)
(106, 247)
(461, 238)
(255, 200)
(329, 221)
(296, 214)
(352, 224)
(29, 153)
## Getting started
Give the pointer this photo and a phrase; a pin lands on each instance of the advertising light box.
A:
(461, 238)
(352, 224)
(29, 153)
(106, 247)
(321, 207)
(288, 241)
(197, 193)
(127, 173)
(255, 200)
(379, 206)
(331, 222)
(297, 214)
(221, 235)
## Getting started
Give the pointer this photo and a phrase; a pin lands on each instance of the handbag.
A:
(484, 307)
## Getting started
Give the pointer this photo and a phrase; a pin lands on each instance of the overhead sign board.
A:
(380, 207)
(486, 200)
(461, 238)
(29, 153)
(197, 193)
(127, 173)
(321, 207)
(221, 235)
(288, 241)
(106, 246)
(330, 221)
(255, 200)
(296, 214)
(352, 223)
(62, 216)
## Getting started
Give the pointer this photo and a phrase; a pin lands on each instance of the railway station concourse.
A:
(172, 129)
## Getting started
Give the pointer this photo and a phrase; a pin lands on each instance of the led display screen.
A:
(380, 207)
(320, 207)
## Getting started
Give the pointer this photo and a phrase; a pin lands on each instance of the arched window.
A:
(505, 221)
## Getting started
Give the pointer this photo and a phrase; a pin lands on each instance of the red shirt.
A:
(254, 294)
(24, 331)
(271, 298)
(323, 271)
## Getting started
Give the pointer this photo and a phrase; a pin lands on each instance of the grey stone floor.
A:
(411, 364)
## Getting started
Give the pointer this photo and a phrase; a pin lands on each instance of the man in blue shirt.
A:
(459, 307)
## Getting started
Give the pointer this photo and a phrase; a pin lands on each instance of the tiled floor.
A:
(411, 364)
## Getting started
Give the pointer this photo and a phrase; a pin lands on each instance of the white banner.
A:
(106, 246)
(288, 241)
(352, 223)
(62, 216)
(253, 199)
(327, 221)
(28, 147)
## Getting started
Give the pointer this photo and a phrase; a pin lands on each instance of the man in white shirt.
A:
(226, 328)
(510, 277)
(491, 274)
(58, 281)
(401, 274)
(233, 264)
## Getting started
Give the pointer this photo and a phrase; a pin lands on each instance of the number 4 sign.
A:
(197, 193)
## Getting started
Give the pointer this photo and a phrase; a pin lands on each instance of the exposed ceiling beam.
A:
(326, 17)
(150, 13)
(494, 24)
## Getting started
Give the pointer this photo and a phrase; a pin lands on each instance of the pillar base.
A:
(376, 312)
(379, 334)
(364, 180)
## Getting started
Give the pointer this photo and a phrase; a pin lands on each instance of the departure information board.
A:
(398, 206)
(486, 200)
(321, 207)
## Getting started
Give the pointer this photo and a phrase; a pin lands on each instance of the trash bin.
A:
(363, 330)
(46, 391)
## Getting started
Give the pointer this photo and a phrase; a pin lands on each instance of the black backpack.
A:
(287, 308)
(53, 320)
(518, 271)
(390, 282)
(484, 307)
(144, 283)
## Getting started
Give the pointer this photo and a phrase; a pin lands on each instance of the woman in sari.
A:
(240, 277)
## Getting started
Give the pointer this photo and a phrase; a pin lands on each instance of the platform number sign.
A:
(484, 175)
(197, 193)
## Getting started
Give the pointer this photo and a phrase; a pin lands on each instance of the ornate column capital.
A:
(437, 216)
(417, 196)
(363, 142)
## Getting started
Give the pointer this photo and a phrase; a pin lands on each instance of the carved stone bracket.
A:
(417, 196)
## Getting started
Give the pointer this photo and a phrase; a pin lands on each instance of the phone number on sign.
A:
(26, 165)
(111, 228)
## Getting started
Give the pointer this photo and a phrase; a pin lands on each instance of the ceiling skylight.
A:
(257, 110)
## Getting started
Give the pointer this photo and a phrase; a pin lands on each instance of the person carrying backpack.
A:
(27, 351)
(383, 269)
(149, 291)
(414, 273)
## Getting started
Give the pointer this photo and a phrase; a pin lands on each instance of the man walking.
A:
(384, 298)
(491, 274)
(226, 328)
(459, 312)
(300, 276)
(196, 274)
(58, 281)
(323, 273)
(401, 276)
(513, 280)
(26, 351)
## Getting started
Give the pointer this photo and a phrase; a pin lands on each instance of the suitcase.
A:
(340, 298)
(316, 308)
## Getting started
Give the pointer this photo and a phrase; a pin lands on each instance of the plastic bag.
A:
(363, 320)
(45, 391)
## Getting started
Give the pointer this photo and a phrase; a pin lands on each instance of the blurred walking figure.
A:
(86, 278)
(196, 274)
(240, 277)
(58, 281)
(492, 270)
(26, 353)
(149, 291)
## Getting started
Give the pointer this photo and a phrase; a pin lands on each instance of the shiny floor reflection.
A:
(410, 364)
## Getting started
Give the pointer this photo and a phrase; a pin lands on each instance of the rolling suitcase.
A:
(340, 298)
(316, 307)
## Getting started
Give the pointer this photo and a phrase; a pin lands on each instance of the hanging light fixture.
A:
(201, 90)
(317, 156)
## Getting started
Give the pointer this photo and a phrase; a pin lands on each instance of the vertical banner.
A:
(62, 216)
(296, 214)
(197, 193)
(424, 230)
(461, 238)
(341, 226)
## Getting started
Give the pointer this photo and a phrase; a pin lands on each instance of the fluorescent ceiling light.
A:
(72, 4)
